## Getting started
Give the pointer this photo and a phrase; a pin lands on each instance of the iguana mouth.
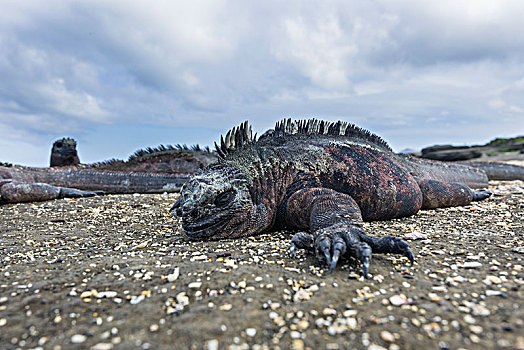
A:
(204, 229)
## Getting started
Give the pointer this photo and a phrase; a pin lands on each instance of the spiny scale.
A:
(235, 138)
(162, 149)
(242, 135)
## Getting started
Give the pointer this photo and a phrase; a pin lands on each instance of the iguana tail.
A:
(106, 181)
(426, 169)
(499, 171)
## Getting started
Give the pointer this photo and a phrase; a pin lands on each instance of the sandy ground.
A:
(116, 272)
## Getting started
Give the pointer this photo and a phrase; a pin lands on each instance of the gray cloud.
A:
(435, 71)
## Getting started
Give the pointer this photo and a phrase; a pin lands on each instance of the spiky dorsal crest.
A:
(322, 127)
(160, 150)
(242, 135)
(235, 138)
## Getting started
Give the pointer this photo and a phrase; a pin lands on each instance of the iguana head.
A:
(64, 153)
(217, 204)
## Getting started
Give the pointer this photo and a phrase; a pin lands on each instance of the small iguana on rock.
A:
(323, 177)
(154, 170)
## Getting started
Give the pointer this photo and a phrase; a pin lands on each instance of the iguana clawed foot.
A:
(66, 192)
(336, 241)
(480, 194)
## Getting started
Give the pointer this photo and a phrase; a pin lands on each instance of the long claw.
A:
(327, 256)
(365, 266)
(364, 255)
(334, 260)
(338, 250)
(409, 255)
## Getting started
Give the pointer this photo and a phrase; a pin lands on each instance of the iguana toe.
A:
(301, 240)
(363, 253)
(323, 248)
(399, 246)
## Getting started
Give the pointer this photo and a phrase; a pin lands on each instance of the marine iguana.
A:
(325, 177)
(154, 170)
(64, 153)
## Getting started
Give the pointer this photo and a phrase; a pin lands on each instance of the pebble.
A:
(86, 294)
(349, 313)
(297, 344)
(212, 344)
(3, 322)
(494, 279)
(303, 324)
(78, 338)
(491, 293)
(225, 307)
(107, 294)
(415, 236)
(387, 336)
(194, 285)
(476, 329)
(173, 276)
(141, 245)
(199, 258)
(136, 299)
(398, 300)
(230, 263)
(251, 332)
(352, 323)
(295, 335)
(471, 264)
(182, 298)
(469, 319)
(301, 295)
(329, 311)
(434, 297)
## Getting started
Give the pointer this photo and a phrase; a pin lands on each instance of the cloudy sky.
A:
(121, 75)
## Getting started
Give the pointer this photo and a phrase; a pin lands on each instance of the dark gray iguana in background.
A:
(154, 170)
(323, 177)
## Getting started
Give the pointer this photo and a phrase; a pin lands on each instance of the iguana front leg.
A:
(335, 222)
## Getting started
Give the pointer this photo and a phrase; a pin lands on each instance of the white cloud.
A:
(320, 52)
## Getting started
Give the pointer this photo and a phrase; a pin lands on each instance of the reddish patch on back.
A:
(382, 188)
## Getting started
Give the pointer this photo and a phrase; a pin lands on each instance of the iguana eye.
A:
(224, 198)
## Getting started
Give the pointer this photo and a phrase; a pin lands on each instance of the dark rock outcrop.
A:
(450, 153)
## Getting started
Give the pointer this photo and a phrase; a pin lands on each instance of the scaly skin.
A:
(326, 178)
(155, 170)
